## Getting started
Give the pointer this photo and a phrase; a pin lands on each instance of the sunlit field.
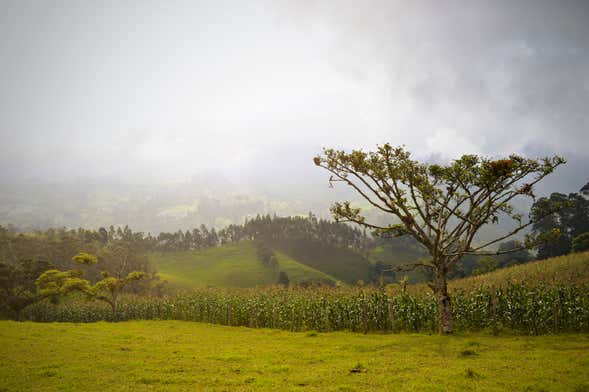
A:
(175, 355)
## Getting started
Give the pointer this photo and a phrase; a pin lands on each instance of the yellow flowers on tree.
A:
(442, 206)
(55, 284)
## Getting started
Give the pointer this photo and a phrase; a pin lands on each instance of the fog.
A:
(235, 98)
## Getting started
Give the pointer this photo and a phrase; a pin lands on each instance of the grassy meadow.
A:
(176, 355)
(229, 265)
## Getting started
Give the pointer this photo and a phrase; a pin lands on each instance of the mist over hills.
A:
(206, 199)
(103, 130)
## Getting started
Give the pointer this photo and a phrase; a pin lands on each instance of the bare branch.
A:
(498, 253)
(362, 193)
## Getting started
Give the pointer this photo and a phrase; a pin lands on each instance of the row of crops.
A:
(515, 307)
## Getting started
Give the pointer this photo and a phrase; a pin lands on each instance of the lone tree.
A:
(441, 206)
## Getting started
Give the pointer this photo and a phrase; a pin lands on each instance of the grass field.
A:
(175, 355)
(232, 265)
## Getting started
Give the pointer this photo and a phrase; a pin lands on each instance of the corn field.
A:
(515, 307)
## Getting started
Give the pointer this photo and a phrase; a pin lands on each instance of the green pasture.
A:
(188, 356)
(230, 265)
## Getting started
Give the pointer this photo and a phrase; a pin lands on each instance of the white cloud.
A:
(108, 89)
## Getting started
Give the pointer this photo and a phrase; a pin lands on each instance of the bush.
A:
(580, 243)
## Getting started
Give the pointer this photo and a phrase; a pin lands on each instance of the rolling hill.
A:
(572, 269)
(238, 265)
(342, 263)
(230, 265)
(569, 269)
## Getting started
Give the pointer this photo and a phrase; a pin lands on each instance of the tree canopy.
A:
(571, 220)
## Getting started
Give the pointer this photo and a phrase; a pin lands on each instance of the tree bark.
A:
(440, 288)
(114, 307)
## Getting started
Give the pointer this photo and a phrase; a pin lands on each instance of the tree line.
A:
(267, 228)
(59, 245)
(571, 221)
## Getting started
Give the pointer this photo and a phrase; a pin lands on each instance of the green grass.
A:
(298, 272)
(175, 355)
(232, 265)
(341, 263)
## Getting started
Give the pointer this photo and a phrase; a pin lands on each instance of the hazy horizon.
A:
(161, 95)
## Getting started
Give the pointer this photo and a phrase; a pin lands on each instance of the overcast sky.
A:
(253, 90)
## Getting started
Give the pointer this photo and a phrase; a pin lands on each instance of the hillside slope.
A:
(569, 269)
(341, 263)
(397, 257)
(231, 265)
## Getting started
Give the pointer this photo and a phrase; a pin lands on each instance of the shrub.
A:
(580, 243)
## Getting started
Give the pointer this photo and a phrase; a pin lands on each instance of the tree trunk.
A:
(18, 314)
(113, 305)
(440, 288)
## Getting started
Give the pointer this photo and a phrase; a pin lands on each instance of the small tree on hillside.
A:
(283, 279)
(110, 288)
(55, 284)
(441, 206)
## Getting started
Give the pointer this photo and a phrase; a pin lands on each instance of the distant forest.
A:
(39, 243)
